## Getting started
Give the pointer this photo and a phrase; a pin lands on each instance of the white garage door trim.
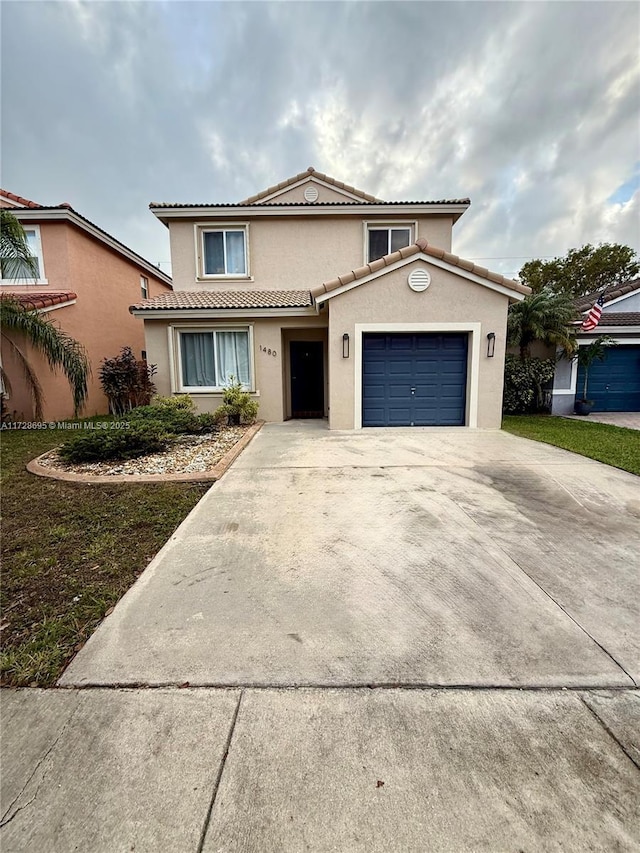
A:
(474, 363)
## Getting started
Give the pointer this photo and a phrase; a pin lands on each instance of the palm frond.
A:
(58, 348)
(15, 254)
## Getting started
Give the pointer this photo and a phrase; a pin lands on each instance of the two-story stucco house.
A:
(86, 281)
(326, 301)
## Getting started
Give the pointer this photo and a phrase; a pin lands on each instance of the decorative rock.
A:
(188, 454)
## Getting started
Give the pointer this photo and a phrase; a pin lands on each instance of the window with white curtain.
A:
(211, 359)
(224, 251)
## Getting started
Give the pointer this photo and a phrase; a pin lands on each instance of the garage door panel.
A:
(433, 365)
(401, 369)
(400, 344)
(398, 417)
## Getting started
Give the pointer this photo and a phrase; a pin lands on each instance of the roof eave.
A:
(391, 209)
(70, 215)
(221, 313)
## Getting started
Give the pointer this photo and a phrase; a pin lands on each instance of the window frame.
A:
(175, 351)
(144, 286)
(388, 225)
(220, 227)
(42, 278)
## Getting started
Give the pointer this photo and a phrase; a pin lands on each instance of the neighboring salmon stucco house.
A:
(328, 302)
(87, 280)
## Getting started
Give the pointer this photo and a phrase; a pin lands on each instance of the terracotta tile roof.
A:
(32, 300)
(170, 205)
(299, 177)
(420, 246)
(88, 225)
(613, 291)
(620, 318)
(21, 202)
(226, 299)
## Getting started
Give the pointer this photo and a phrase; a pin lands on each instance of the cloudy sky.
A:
(530, 108)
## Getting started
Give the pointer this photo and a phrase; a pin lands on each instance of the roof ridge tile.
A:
(421, 246)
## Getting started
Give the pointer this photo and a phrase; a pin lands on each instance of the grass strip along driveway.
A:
(614, 445)
(70, 551)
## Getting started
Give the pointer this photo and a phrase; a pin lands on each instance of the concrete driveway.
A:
(409, 580)
(422, 557)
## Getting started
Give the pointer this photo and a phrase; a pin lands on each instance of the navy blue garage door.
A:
(614, 384)
(414, 379)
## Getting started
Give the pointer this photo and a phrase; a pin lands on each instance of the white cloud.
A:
(529, 108)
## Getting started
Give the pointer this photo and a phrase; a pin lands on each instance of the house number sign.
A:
(268, 351)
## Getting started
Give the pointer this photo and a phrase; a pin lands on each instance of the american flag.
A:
(593, 317)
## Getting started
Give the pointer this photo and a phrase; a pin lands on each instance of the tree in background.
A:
(59, 349)
(545, 317)
(582, 271)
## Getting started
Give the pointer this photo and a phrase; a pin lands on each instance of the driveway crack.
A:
(550, 597)
(5, 820)
(595, 714)
(216, 784)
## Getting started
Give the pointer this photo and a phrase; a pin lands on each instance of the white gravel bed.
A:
(189, 454)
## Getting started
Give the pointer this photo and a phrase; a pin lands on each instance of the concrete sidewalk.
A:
(278, 771)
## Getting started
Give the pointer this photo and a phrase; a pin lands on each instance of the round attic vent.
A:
(419, 280)
(311, 194)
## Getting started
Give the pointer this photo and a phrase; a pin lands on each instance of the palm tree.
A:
(542, 317)
(59, 349)
(597, 350)
(15, 255)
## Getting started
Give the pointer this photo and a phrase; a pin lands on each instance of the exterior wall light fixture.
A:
(491, 344)
(345, 345)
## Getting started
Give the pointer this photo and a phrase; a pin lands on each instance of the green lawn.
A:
(70, 551)
(611, 444)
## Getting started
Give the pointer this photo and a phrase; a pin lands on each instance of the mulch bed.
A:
(189, 454)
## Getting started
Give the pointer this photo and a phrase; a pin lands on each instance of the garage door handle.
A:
(413, 390)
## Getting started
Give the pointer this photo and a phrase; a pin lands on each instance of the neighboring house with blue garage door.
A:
(614, 384)
(326, 301)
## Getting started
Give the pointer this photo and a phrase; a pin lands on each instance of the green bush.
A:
(237, 406)
(175, 415)
(524, 382)
(182, 402)
(97, 445)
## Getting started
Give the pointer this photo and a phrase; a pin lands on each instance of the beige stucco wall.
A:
(325, 194)
(291, 253)
(271, 369)
(388, 300)
(106, 284)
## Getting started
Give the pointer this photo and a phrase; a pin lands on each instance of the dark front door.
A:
(307, 379)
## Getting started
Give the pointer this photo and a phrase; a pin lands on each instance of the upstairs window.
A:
(15, 270)
(144, 287)
(224, 252)
(386, 239)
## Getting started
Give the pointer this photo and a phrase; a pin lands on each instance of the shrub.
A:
(523, 384)
(237, 406)
(175, 414)
(99, 445)
(182, 402)
(126, 381)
